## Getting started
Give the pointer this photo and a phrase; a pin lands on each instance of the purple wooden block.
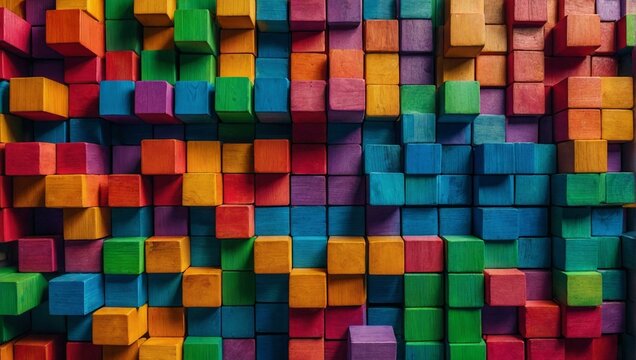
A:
(383, 220)
(39, 49)
(499, 320)
(614, 158)
(346, 38)
(346, 190)
(453, 133)
(345, 133)
(169, 132)
(372, 343)
(417, 70)
(308, 190)
(239, 349)
(522, 129)
(538, 284)
(83, 256)
(493, 101)
(613, 317)
(344, 13)
(344, 159)
(545, 130)
(608, 10)
(36, 11)
(347, 100)
(154, 102)
(97, 159)
(52, 69)
(416, 36)
(48, 221)
(126, 159)
(171, 221)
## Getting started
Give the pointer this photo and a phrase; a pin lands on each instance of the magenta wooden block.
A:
(308, 190)
(16, 33)
(83, 256)
(493, 101)
(83, 70)
(82, 158)
(383, 220)
(614, 158)
(154, 102)
(522, 129)
(307, 15)
(308, 101)
(52, 69)
(344, 13)
(306, 323)
(36, 11)
(346, 190)
(344, 159)
(171, 221)
(347, 100)
(338, 320)
(613, 317)
(126, 159)
(336, 350)
(346, 38)
(608, 10)
(39, 49)
(416, 36)
(546, 130)
(372, 343)
(499, 320)
(417, 70)
(48, 221)
(239, 349)
(538, 284)
(40, 254)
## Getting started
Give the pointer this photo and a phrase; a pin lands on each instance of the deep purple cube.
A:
(417, 70)
(83, 256)
(239, 349)
(499, 320)
(126, 159)
(346, 38)
(308, 190)
(383, 220)
(344, 159)
(154, 102)
(171, 221)
(344, 13)
(346, 190)
(416, 36)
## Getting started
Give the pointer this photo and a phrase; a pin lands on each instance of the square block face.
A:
(124, 256)
(382, 69)
(166, 254)
(583, 288)
(617, 125)
(383, 102)
(465, 290)
(424, 324)
(381, 36)
(201, 287)
(617, 92)
(307, 288)
(272, 255)
(234, 221)
(423, 254)
(346, 255)
(386, 255)
(505, 287)
(464, 35)
(172, 163)
(202, 189)
(271, 156)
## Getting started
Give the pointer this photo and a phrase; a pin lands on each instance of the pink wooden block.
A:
(39, 254)
(524, 99)
(544, 349)
(347, 100)
(538, 284)
(338, 320)
(13, 66)
(580, 322)
(335, 350)
(83, 256)
(308, 101)
(423, 254)
(308, 41)
(346, 38)
(6, 191)
(306, 323)
(154, 102)
(15, 34)
(307, 15)
(500, 347)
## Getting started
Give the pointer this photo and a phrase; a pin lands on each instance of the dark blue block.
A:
(274, 45)
(385, 289)
(126, 290)
(495, 159)
(454, 190)
(423, 159)
(80, 328)
(380, 132)
(76, 294)
(272, 288)
(533, 221)
(535, 253)
(455, 221)
(50, 131)
(42, 321)
(271, 99)
(271, 347)
(132, 222)
(496, 223)
(277, 68)
(164, 289)
(607, 221)
(194, 102)
(94, 131)
(308, 221)
(205, 251)
(493, 190)
(346, 221)
(389, 316)
(453, 133)
(419, 221)
(130, 134)
(237, 322)
(309, 251)
(272, 220)
(457, 159)
(202, 221)
(272, 318)
(204, 321)
(201, 132)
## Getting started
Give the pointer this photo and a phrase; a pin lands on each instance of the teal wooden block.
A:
(195, 31)
(205, 251)
(535, 158)
(489, 129)
(418, 99)
(609, 252)
(271, 100)
(534, 221)
(233, 99)
(465, 290)
(272, 68)
(418, 221)
(535, 253)
(309, 251)
(455, 221)
(271, 16)
(501, 254)
(382, 158)
(80, 328)
(49, 131)
(272, 288)
(164, 289)
(378, 132)
(577, 190)
(532, 190)
(95, 131)
(493, 190)
(417, 128)
(459, 101)
(423, 159)
(575, 254)
(571, 222)
(379, 9)
(423, 290)
(416, 9)
(619, 188)
(454, 190)
(608, 221)
(628, 250)
(424, 350)
(457, 159)
(464, 254)
(420, 189)
(463, 325)
(274, 45)
(496, 223)
(385, 189)
(132, 222)
(614, 285)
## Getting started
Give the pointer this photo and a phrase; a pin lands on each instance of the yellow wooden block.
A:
(382, 69)
(582, 156)
(155, 12)
(167, 254)
(38, 98)
(29, 191)
(617, 125)
(18, 7)
(202, 189)
(72, 191)
(346, 255)
(10, 129)
(166, 321)
(94, 8)
(464, 6)
(162, 348)
(237, 65)
(239, 41)
(495, 12)
(455, 69)
(346, 290)
(203, 156)
(273, 255)
(383, 101)
(496, 40)
(201, 287)
(125, 325)
(617, 92)
(386, 255)
(464, 35)
(86, 224)
(158, 38)
(122, 352)
(236, 14)
(308, 288)
(238, 158)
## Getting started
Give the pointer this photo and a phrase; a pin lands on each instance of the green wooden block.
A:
(8, 270)
(577, 190)
(575, 254)
(198, 4)
(577, 288)
(438, 13)
(501, 254)
(197, 67)
(463, 325)
(423, 324)
(195, 32)
(474, 351)
(571, 222)
(159, 65)
(628, 23)
(416, 9)
(614, 285)
(21, 292)
(119, 9)
(417, 99)
(465, 290)
(423, 290)
(424, 350)
(619, 188)
(124, 256)
(459, 101)
(239, 287)
(233, 99)
(123, 35)
(609, 252)
(237, 254)
(13, 326)
(237, 133)
(464, 254)
(203, 348)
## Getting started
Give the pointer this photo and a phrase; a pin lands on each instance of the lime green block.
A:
(423, 324)
(417, 99)
(13, 326)
(465, 290)
(123, 35)
(580, 288)
(8, 270)
(119, 9)
(423, 290)
(474, 351)
(464, 325)
(197, 67)
(627, 26)
(198, 4)
(237, 133)
(239, 288)
(619, 188)
(459, 101)
(577, 190)
(233, 99)
(464, 254)
(124, 256)
(203, 348)
(609, 252)
(21, 292)
(159, 65)
(501, 254)
(237, 254)
(194, 31)
(571, 222)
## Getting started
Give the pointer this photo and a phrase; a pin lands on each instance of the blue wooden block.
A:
(532, 190)
(433, 350)
(130, 134)
(201, 132)
(457, 159)
(454, 133)
(205, 251)
(4, 97)
(164, 289)
(168, 132)
(575, 254)
(535, 158)
(202, 221)
(272, 288)
(420, 189)
(534, 221)
(454, 190)
(494, 159)
(271, 99)
(276, 68)
(489, 129)
(117, 101)
(382, 158)
(416, 9)
(346, 221)
(125, 290)
(385, 189)
(344, 133)
(380, 132)
(628, 249)
(272, 220)
(423, 159)
(194, 101)
(385, 289)
(455, 221)
(496, 223)
(271, 16)
(380, 9)
(274, 45)
(272, 318)
(493, 190)
(43, 322)
(607, 221)
(271, 347)
(534, 253)
(204, 321)
(273, 131)
(417, 128)
(571, 222)
(80, 328)
(388, 316)
(95, 131)
(614, 284)
(50, 131)
(132, 222)
(237, 322)
(309, 252)
(76, 294)
(309, 221)
(419, 221)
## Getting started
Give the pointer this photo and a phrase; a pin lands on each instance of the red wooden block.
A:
(569, 7)
(577, 93)
(103, 190)
(122, 65)
(608, 39)
(577, 35)
(74, 33)
(15, 223)
(306, 323)
(82, 158)
(271, 190)
(605, 347)
(83, 256)
(335, 350)
(83, 70)
(309, 133)
(559, 68)
(579, 349)
(6, 191)
(234, 221)
(526, 38)
(39, 347)
(13, 66)
(308, 100)
(338, 320)
(82, 351)
(271, 156)
(39, 254)
(308, 41)
(238, 189)
(526, 66)
(423, 254)
(305, 349)
(505, 287)
(604, 66)
(163, 157)
(129, 190)
(545, 349)
(309, 159)
(540, 318)
(525, 99)
(504, 347)
(83, 100)
(577, 124)
(15, 33)
(581, 322)
(307, 15)
(29, 158)
(167, 190)
(527, 12)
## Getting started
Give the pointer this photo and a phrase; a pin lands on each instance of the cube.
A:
(165, 254)
(464, 254)
(201, 287)
(272, 255)
(307, 288)
(346, 255)
(372, 342)
(505, 287)
(233, 99)
(76, 294)
(583, 288)
(459, 101)
(194, 31)
(234, 221)
(383, 248)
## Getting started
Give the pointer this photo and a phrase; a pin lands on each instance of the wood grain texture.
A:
(165, 254)
(272, 255)
(38, 98)
(74, 33)
(307, 288)
(166, 321)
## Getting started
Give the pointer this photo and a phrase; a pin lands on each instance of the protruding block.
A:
(155, 13)
(166, 254)
(505, 287)
(272, 255)
(29, 158)
(383, 248)
(38, 98)
(172, 160)
(74, 33)
(235, 221)
(86, 224)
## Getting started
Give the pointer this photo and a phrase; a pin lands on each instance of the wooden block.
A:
(158, 38)
(454, 69)
(235, 221)
(350, 108)
(129, 190)
(83, 256)
(238, 41)
(167, 254)
(238, 189)
(525, 99)
(582, 288)
(83, 100)
(307, 15)
(346, 290)
(154, 102)
(382, 69)
(537, 349)
(72, 191)
(74, 33)
(308, 41)
(308, 101)
(307, 288)
(76, 294)
(238, 158)
(16, 36)
(577, 93)
(46, 347)
(202, 189)
(236, 14)
(162, 348)
(344, 14)
(569, 7)
(82, 70)
(533, 12)
(38, 98)
(505, 287)
(423, 254)
(604, 66)
(559, 68)
(29, 158)
(299, 349)
(271, 156)
(272, 255)
(86, 224)
(121, 65)
(608, 39)
(82, 158)
(345, 63)
(577, 35)
(383, 101)
(577, 124)
(458, 41)
(368, 342)
(617, 125)
(271, 190)
(496, 40)
(23, 292)
(194, 31)
(39, 254)
(380, 249)
(166, 321)
(452, 109)
(308, 66)
(540, 318)
(94, 8)
(159, 65)
(233, 98)
(505, 347)
(617, 92)
(526, 38)
(306, 323)
(155, 13)
(122, 352)
(625, 41)
(28, 191)
(579, 322)
(346, 255)
(490, 70)
(172, 163)
(381, 36)
(271, 16)
(583, 156)
(124, 256)
(525, 66)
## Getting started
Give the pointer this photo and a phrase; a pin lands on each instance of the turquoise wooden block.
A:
(271, 221)
(385, 189)
(575, 254)
(164, 289)
(619, 188)
(420, 189)
(423, 159)
(382, 158)
(274, 45)
(272, 318)
(309, 221)
(417, 128)
(205, 251)
(388, 316)
(272, 68)
(532, 190)
(346, 221)
(76, 294)
(609, 252)
(309, 251)
(116, 100)
(204, 321)
(494, 159)
(425, 350)
(379, 132)
(95, 131)
(454, 190)
(271, 16)
(496, 223)
(271, 100)
(416, 9)
(455, 221)
(237, 322)
(493, 190)
(80, 328)
(535, 158)
(194, 102)
(614, 284)
(132, 222)
(535, 253)
(202, 221)
(577, 190)
(534, 221)
(379, 9)
(457, 159)
(272, 288)
(418, 221)
(385, 289)
(571, 222)
(489, 129)
(50, 131)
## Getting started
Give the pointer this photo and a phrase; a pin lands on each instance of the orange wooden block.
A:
(163, 157)
(346, 63)
(6, 351)
(464, 35)
(582, 156)
(72, 191)
(346, 290)
(166, 321)
(86, 224)
(162, 348)
(346, 255)
(74, 33)
(381, 36)
(308, 288)
(271, 156)
(234, 221)
(122, 352)
(167, 254)
(454, 69)
(494, 12)
(306, 349)
(235, 41)
(577, 124)
(18, 7)
(617, 125)
(577, 35)
(526, 66)
(308, 66)
(125, 326)
(39, 347)
(204, 156)
(577, 93)
(238, 158)
(201, 287)
(569, 7)
(155, 12)
(29, 191)
(237, 65)
(382, 69)
(38, 98)
(129, 190)
(158, 38)
(386, 255)
(272, 255)
(490, 70)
